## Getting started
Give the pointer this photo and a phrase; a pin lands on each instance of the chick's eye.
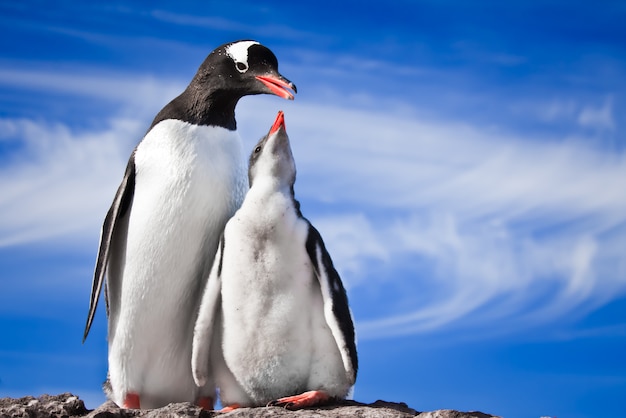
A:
(257, 150)
(242, 67)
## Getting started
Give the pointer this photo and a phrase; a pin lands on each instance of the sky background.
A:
(465, 163)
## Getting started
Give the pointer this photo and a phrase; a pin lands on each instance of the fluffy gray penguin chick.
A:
(274, 325)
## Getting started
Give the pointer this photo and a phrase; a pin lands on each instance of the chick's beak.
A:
(278, 123)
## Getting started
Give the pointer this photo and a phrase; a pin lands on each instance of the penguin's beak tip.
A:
(279, 86)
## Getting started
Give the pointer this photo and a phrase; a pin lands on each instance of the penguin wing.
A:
(336, 309)
(203, 330)
(119, 210)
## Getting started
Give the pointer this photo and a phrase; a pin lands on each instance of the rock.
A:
(69, 406)
(46, 406)
(344, 409)
(448, 413)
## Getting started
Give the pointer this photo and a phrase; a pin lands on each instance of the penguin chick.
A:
(274, 324)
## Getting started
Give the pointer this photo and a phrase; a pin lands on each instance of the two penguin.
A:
(183, 182)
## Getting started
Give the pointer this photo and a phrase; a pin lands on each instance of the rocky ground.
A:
(70, 406)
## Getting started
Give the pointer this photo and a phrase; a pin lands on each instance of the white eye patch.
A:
(239, 53)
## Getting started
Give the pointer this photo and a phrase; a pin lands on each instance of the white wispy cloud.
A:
(512, 228)
(507, 227)
(261, 29)
(62, 180)
(598, 117)
(141, 94)
(483, 275)
(389, 161)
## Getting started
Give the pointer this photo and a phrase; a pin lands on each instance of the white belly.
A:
(189, 181)
(275, 339)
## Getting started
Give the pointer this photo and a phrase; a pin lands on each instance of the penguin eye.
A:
(242, 67)
(257, 150)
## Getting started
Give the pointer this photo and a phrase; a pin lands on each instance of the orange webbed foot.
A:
(205, 402)
(304, 400)
(230, 407)
(131, 401)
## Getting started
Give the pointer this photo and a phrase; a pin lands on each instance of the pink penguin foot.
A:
(304, 400)
(230, 407)
(205, 402)
(131, 401)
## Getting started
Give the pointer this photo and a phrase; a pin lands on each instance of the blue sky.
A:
(465, 163)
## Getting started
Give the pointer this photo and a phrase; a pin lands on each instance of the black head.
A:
(231, 71)
(243, 68)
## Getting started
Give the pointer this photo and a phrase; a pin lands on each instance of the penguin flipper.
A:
(119, 209)
(203, 330)
(336, 309)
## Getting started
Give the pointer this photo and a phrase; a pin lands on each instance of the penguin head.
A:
(271, 158)
(243, 68)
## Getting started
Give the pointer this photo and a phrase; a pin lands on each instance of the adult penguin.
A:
(183, 181)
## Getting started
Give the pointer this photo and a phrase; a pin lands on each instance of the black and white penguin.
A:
(183, 181)
(274, 324)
